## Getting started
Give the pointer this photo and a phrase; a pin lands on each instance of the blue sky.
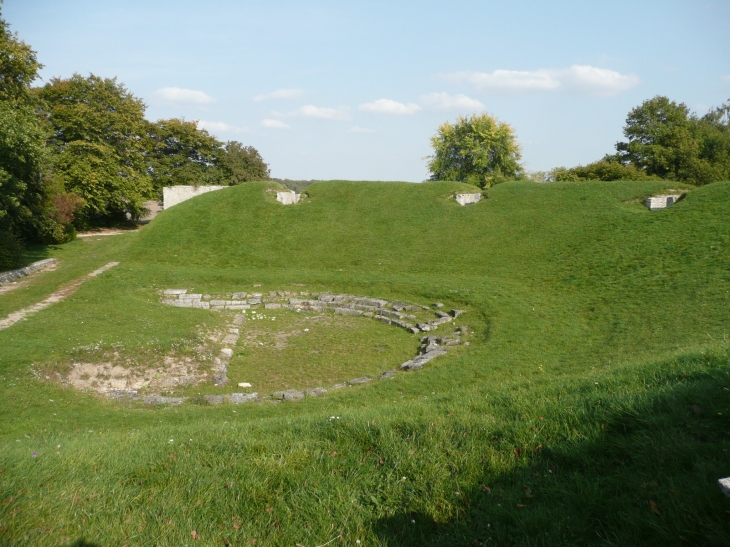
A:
(354, 90)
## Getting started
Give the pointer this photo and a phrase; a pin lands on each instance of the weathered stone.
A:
(421, 360)
(414, 330)
(238, 398)
(440, 320)
(425, 327)
(256, 294)
(438, 304)
(230, 339)
(295, 301)
(214, 399)
(205, 305)
(375, 302)
(361, 380)
(456, 313)
(467, 199)
(288, 395)
(325, 297)
(442, 313)
(254, 301)
(226, 353)
(218, 302)
(244, 384)
(123, 394)
(347, 311)
(272, 306)
(399, 306)
(160, 400)
(287, 198)
(239, 319)
(391, 314)
(363, 307)
(220, 378)
(175, 291)
(451, 341)
(411, 365)
(340, 386)
(368, 314)
(315, 391)
(172, 195)
(191, 296)
(387, 374)
(169, 301)
(384, 319)
(661, 202)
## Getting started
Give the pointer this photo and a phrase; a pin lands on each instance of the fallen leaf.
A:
(237, 526)
(167, 521)
(334, 453)
(697, 410)
(520, 506)
(542, 417)
(269, 509)
(538, 447)
(195, 535)
(673, 492)
(486, 489)
(654, 507)
(516, 452)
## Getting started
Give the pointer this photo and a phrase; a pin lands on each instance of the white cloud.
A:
(323, 113)
(388, 106)
(216, 127)
(280, 94)
(444, 101)
(183, 96)
(576, 78)
(358, 129)
(275, 124)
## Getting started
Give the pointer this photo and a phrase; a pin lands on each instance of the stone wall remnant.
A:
(655, 203)
(288, 197)
(12, 275)
(172, 195)
(468, 199)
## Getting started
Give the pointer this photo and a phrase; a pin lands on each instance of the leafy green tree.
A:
(27, 210)
(98, 145)
(243, 163)
(479, 150)
(667, 140)
(182, 153)
(609, 168)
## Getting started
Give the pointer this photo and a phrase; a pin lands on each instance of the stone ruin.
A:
(288, 198)
(655, 203)
(172, 195)
(390, 313)
(467, 199)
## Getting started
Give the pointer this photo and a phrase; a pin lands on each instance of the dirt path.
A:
(57, 296)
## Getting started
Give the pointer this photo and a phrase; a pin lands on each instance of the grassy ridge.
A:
(607, 320)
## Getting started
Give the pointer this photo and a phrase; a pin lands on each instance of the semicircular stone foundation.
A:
(397, 314)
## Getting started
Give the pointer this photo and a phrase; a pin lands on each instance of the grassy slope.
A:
(607, 320)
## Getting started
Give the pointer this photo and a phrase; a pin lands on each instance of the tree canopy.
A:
(243, 163)
(479, 150)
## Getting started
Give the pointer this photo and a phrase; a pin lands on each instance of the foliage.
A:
(606, 169)
(667, 140)
(98, 144)
(478, 150)
(243, 163)
(26, 197)
(181, 153)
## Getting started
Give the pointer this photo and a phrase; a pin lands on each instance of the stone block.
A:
(239, 319)
(347, 311)
(205, 305)
(438, 304)
(287, 198)
(440, 320)
(160, 400)
(456, 313)
(123, 394)
(184, 303)
(272, 306)
(441, 313)
(662, 202)
(387, 374)
(288, 395)
(361, 380)
(315, 391)
(218, 302)
(238, 306)
(239, 295)
(214, 399)
(238, 398)
(226, 353)
(191, 296)
(384, 319)
(175, 291)
(254, 301)
(391, 314)
(172, 195)
(230, 339)
(425, 327)
(467, 199)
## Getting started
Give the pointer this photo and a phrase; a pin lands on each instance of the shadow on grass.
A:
(647, 476)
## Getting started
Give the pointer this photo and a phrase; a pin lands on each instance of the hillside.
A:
(589, 408)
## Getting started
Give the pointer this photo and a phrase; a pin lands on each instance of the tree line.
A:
(665, 141)
(78, 153)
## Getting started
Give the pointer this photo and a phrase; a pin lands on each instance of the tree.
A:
(98, 146)
(667, 140)
(181, 153)
(27, 210)
(607, 169)
(243, 163)
(479, 150)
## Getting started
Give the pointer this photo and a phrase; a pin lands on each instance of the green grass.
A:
(590, 408)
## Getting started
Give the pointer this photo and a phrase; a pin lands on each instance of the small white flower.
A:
(171, 441)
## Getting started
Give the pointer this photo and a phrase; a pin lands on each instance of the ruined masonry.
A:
(662, 202)
(467, 199)
(287, 198)
(390, 313)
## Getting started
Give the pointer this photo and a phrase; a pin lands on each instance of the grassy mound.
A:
(590, 408)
